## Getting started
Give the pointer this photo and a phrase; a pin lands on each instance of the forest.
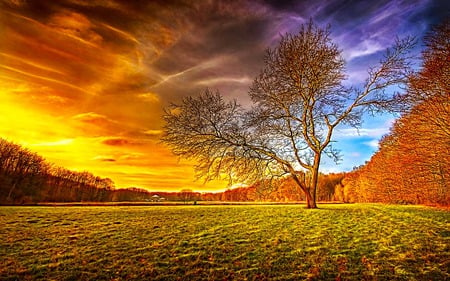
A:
(410, 167)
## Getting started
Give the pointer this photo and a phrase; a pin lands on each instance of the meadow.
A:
(260, 242)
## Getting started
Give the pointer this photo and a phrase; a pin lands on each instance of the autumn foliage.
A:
(412, 164)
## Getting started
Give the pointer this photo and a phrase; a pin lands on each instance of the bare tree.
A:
(299, 99)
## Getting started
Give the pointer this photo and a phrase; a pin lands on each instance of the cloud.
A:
(150, 97)
(103, 158)
(55, 143)
(76, 26)
(116, 142)
(222, 80)
(95, 125)
(366, 47)
(355, 154)
(363, 132)
(153, 133)
(133, 156)
(122, 141)
(373, 143)
(17, 3)
(93, 118)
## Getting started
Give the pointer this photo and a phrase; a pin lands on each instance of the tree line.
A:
(421, 177)
(412, 164)
(281, 190)
(26, 177)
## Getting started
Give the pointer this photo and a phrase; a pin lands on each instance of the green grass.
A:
(336, 242)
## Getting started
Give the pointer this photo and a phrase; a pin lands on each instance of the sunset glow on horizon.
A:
(84, 83)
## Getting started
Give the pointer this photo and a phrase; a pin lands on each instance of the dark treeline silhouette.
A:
(25, 177)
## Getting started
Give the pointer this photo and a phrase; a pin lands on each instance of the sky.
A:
(84, 83)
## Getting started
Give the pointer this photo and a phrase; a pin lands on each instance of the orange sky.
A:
(70, 91)
(84, 83)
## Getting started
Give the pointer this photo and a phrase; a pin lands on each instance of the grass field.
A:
(336, 242)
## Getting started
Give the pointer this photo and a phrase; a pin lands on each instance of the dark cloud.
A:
(105, 159)
(285, 5)
(122, 141)
(116, 142)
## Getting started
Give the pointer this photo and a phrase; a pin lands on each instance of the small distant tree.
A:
(298, 100)
(186, 195)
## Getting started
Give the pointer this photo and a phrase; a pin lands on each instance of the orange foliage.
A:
(412, 164)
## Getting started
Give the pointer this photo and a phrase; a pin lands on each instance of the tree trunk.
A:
(310, 201)
(11, 191)
(314, 181)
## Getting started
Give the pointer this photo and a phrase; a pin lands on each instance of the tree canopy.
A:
(299, 98)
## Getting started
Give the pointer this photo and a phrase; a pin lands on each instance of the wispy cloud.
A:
(54, 143)
(103, 158)
(365, 48)
(373, 143)
(363, 132)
